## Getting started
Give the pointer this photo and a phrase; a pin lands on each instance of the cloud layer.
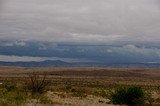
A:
(39, 51)
(89, 21)
(80, 30)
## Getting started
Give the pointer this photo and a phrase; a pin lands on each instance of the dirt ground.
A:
(89, 79)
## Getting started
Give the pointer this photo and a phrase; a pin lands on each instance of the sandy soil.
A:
(61, 99)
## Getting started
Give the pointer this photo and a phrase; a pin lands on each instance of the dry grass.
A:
(81, 82)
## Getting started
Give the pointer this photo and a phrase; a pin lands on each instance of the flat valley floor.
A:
(89, 82)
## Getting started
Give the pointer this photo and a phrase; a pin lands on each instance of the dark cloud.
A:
(39, 51)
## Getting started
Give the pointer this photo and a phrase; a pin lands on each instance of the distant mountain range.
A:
(59, 63)
(50, 54)
(124, 52)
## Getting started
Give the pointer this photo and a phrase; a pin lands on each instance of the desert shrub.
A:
(36, 83)
(68, 87)
(128, 95)
(101, 93)
(10, 95)
(45, 100)
(3, 91)
(41, 98)
(79, 92)
(9, 85)
(12, 98)
(19, 98)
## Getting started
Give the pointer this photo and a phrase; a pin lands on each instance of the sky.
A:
(80, 20)
(132, 26)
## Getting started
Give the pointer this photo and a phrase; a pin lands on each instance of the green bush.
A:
(9, 85)
(12, 98)
(128, 95)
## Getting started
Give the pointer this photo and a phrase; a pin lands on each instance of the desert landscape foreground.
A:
(77, 86)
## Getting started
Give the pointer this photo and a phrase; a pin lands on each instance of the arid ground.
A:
(88, 86)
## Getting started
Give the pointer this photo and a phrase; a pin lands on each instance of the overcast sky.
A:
(92, 21)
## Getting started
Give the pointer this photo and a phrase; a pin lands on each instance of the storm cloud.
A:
(80, 21)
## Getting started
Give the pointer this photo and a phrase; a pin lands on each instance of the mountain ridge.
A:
(60, 63)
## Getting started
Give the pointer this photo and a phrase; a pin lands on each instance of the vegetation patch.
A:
(36, 83)
(10, 94)
(79, 92)
(128, 95)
